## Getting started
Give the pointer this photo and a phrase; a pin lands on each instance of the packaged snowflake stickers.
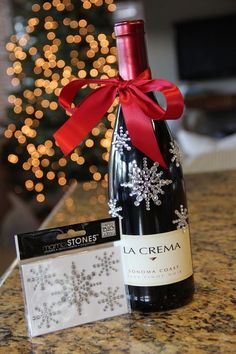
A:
(71, 275)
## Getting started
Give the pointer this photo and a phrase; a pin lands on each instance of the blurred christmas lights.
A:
(52, 74)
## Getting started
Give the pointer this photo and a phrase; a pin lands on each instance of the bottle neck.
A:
(132, 55)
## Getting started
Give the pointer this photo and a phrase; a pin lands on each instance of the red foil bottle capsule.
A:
(131, 48)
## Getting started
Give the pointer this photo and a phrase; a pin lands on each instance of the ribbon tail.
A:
(85, 116)
(141, 131)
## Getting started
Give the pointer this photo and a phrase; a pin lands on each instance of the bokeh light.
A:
(34, 103)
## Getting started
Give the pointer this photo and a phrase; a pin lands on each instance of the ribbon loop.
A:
(138, 109)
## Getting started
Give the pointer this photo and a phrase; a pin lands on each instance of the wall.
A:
(160, 15)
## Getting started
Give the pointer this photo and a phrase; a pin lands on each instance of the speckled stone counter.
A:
(207, 325)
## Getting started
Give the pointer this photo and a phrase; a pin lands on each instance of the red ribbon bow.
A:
(137, 107)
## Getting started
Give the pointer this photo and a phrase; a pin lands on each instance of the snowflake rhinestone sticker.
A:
(175, 151)
(121, 141)
(46, 315)
(114, 209)
(77, 288)
(106, 264)
(182, 215)
(111, 299)
(146, 184)
(88, 286)
(41, 277)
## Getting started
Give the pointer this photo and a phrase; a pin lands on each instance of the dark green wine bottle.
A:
(150, 200)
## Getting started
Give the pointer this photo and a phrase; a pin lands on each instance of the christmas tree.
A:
(54, 43)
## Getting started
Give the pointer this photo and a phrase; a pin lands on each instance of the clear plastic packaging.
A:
(71, 275)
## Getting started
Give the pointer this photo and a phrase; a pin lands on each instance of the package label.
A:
(65, 238)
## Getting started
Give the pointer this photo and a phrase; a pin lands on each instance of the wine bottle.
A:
(149, 199)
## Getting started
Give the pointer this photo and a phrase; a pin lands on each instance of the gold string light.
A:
(53, 73)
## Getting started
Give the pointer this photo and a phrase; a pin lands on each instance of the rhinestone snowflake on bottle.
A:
(121, 140)
(114, 209)
(175, 151)
(182, 215)
(146, 183)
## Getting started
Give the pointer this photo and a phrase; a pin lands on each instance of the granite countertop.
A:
(207, 325)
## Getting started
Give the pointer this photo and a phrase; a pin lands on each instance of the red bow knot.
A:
(123, 84)
(138, 109)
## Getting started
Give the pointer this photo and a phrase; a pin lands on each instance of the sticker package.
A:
(69, 288)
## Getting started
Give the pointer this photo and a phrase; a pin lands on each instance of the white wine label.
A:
(157, 259)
